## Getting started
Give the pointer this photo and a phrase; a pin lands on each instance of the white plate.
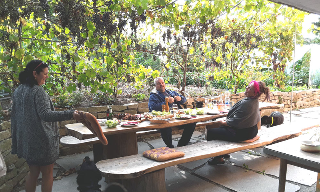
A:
(213, 112)
(310, 146)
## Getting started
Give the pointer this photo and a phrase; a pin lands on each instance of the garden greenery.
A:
(98, 44)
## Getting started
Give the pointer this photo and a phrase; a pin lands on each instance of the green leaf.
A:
(83, 35)
(162, 2)
(13, 38)
(19, 53)
(140, 10)
(109, 60)
(90, 33)
(66, 31)
(114, 45)
(76, 58)
(72, 87)
(88, 44)
(124, 48)
(176, 26)
(91, 26)
(49, 85)
(91, 73)
(82, 77)
(144, 4)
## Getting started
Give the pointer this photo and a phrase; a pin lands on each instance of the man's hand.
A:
(171, 99)
(177, 98)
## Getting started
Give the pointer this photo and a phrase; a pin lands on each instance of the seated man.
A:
(157, 99)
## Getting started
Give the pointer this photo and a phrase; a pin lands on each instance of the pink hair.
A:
(256, 87)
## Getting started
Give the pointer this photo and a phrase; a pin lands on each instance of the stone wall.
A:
(301, 99)
(17, 169)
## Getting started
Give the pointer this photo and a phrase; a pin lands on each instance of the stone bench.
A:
(70, 141)
(138, 173)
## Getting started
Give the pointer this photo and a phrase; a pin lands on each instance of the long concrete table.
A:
(289, 152)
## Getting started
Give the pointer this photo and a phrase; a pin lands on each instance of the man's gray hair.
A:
(157, 79)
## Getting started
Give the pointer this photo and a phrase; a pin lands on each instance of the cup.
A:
(220, 107)
(175, 106)
(193, 112)
(174, 109)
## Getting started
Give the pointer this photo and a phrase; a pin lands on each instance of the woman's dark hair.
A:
(26, 76)
(264, 89)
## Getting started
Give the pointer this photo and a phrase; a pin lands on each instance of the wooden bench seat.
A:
(138, 173)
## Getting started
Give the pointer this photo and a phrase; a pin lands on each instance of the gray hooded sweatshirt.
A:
(244, 114)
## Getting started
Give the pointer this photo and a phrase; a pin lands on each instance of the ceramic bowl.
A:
(310, 146)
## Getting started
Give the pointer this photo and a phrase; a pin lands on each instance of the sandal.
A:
(216, 161)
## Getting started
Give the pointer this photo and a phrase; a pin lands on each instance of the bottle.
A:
(167, 104)
(110, 113)
(220, 103)
(107, 113)
(227, 100)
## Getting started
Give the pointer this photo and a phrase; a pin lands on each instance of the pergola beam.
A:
(311, 6)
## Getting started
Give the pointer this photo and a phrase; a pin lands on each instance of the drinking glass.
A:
(206, 102)
(174, 106)
(174, 109)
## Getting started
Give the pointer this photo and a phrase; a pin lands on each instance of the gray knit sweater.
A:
(244, 114)
(35, 133)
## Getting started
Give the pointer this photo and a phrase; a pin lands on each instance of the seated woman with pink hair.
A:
(242, 120)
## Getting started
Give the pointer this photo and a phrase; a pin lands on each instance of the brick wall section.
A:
(17, 169)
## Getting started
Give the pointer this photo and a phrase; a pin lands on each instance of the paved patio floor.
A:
(245, 171)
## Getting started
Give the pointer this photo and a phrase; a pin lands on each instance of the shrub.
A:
(101, 98)
(315, 79)
(139, 96)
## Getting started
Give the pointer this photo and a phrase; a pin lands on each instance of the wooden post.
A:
(119, 145)
(282, 175)
(154, 181)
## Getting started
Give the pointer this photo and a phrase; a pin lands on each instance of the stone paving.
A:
(245, 171)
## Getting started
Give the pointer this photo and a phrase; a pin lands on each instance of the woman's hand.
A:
(223, 123)
(77, 116)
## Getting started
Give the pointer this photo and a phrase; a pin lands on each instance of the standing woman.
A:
(243, 119)
(35, 133)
